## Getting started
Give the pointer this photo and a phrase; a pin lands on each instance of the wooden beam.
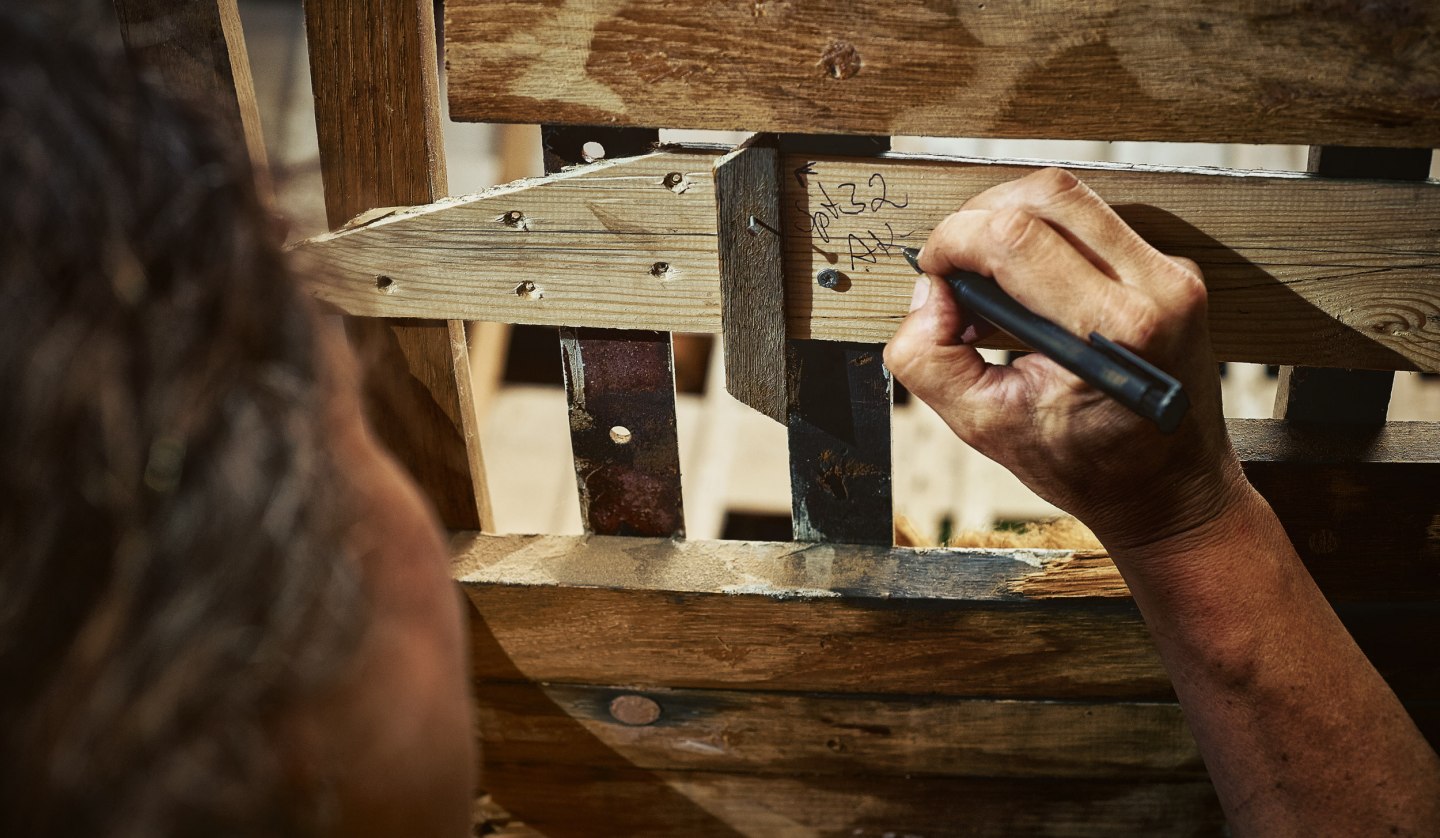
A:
(1271, 441)
(1300, 72)
(845, 618)
(1341, 396)
(198, 50)
(377, 112)
(802, 733)
(752, 277)
(568, 803)
(620, 387)
(1301, 270)
(621, 391)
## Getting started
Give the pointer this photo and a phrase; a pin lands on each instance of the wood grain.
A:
(752, 278)
(788, 733)
(377, 113)
(616, 800)
(1347, 396)
(1271, 441)
(827, 618)
(198, 51)
(1228, 71)
(1301, 270)
(838, 398)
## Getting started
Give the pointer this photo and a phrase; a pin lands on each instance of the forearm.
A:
(1295, 725)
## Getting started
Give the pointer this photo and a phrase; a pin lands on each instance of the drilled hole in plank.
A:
(620, 435)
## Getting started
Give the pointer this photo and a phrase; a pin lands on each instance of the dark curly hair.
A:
(173, 577)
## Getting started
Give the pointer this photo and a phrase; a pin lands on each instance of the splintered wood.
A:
(1301, 270)
(1289, 71)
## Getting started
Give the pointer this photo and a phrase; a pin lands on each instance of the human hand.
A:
(1055, 246)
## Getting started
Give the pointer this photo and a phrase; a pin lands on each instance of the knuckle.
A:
(1143, 322)
(1012, 227)
(1189, 286)
(1053, 183)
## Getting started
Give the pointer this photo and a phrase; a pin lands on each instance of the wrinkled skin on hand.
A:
(1059, 249)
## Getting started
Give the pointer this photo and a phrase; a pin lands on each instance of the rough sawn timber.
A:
(839, 618)
(1301, 270)
(1289, 71)
(377, 118)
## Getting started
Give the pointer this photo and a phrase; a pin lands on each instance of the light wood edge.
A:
(777, 570)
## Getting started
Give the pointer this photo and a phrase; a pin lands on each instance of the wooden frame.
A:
(661, 686)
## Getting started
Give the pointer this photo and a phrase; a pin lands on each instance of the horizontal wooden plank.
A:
(1301, 270)
(623, 800)
(1270, 441)
(778, 569)
(923, 639)
(1224, 71)
(785, 733)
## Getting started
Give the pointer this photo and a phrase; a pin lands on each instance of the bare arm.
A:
(1300, 733)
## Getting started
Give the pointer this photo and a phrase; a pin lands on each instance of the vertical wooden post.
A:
(621, 389)
(1355, 397)
(377, 110)
(838, 406)
(198, 50)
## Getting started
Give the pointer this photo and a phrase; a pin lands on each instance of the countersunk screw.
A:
(828, 278)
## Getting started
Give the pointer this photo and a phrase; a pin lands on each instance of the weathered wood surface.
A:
(620, 387)
(838, 408)
(1347, 396)
(828, 618)
(377, 115)
(198, 51)
(1268, 440)
(614, 799)
(1301, 270)
(1226, 71)
(790, 733)
(752, 275)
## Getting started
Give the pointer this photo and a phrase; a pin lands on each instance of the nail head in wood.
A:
(634, 710)
(752, 281)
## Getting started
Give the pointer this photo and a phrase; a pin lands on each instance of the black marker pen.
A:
(1103, 364)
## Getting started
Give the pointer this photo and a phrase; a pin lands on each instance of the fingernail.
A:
(922, 290)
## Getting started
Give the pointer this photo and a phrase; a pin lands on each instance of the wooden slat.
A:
(1225, 71)
(1347, 396)
(1300, 269)
(711, 615)
(752, 278)
(621, 391)
(1269, 441)
(787, 733)
(377, 113)
(198, 50)
(838, 409)
(633, 802)
(1333, 395)
(620, 387)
